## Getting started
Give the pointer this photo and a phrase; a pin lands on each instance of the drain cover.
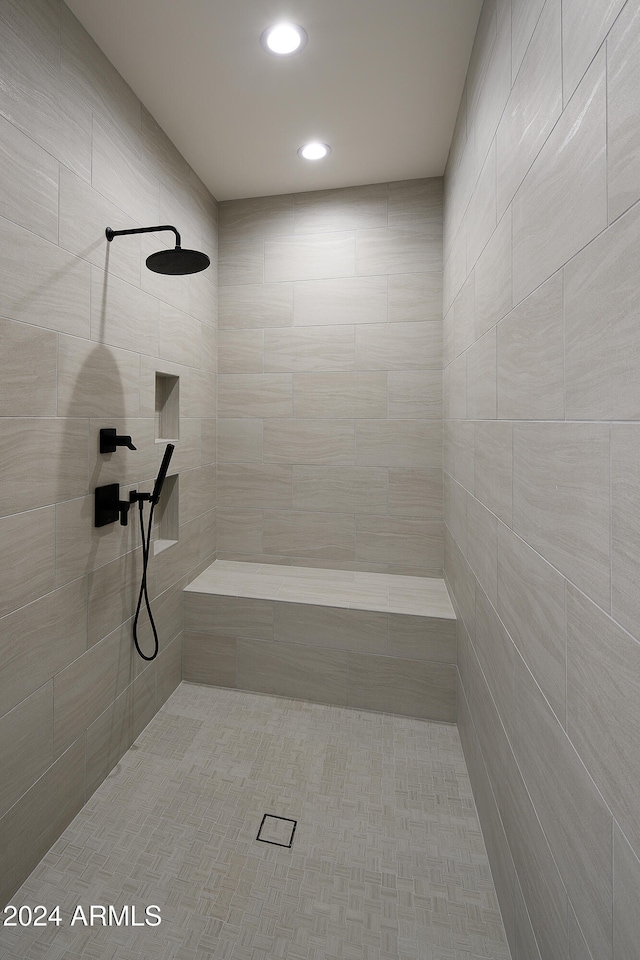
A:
(277, 830)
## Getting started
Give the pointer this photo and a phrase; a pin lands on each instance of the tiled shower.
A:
(313, 357)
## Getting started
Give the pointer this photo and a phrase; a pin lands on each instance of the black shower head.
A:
(174, 262)
(178, 261)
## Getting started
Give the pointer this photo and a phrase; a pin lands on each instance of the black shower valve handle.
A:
(110, 440)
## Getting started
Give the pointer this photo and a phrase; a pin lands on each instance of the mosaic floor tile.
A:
(387, 863)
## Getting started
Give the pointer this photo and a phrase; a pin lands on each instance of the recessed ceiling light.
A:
(314, 150)
(283, 39)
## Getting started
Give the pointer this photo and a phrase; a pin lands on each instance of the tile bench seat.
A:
(366, 640)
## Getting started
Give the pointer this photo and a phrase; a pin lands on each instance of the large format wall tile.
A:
(534, 105)
(42, 283)
(602, 293)
(308, 441)
(29, 183)
(311, 257)
(326, 396)
(626, 924)
(603, 666)
(349, 300)
(349, 208)
(531, 366)
(561, 499)
(256, 305)
(573, 814)
(562, 202)
(623, 82)
(293, 670)
(26, 744)
(583, 30)
(625, 525)
(82, 326)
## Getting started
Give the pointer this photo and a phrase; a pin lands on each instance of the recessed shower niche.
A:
(167, 412)
(167, 407)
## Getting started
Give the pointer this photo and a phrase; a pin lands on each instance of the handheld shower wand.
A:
(153, 499)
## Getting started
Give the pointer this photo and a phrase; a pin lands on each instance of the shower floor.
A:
(387, 859)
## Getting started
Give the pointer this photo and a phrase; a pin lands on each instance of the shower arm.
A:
(110, 234)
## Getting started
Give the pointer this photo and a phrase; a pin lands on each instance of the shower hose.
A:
(144, 593)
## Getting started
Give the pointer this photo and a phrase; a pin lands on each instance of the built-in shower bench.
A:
(368, 640)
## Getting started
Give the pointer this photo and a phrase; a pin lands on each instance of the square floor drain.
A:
(277, 830)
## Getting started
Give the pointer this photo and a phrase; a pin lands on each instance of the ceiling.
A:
(379, 80)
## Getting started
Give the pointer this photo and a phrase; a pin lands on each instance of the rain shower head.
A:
(176, 262)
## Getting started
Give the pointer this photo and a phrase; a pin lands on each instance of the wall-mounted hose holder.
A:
(110, 441)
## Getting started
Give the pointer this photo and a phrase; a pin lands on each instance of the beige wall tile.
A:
(413, 542)
(291, 670)
(310, 349)
(454, 380)
(399, 249)
(240, 440)
(625, 882)
(340, 489)
(112, 591)
(602, 296)
(534, 105)
(414, 296)
(481, 378)
(561, 499)
(349, 208)
(29, 178)
(228, 616)
(573, 814)
(26, 745)
(28, 370)
(408, 687)
(82, 547)
(482, 545)
(416, 200)
(122, 315)
(253, 305)
(415, 493)
(43, 285)
(482, 215)
(95, 380)
(524, 16)
(241, 261)
(209, 659)
(259, 395)
(602, 701)
(28, 654)
(93, 78)
(312, 257)
(331, 627)
(493, 468)
(239, 531)
(30, 828)
(241, 351)
(625, 525)
(422, 638)
(33, 95)
(623, 80)
(27, 564)
(256, 218)
(84, 689)
(340, 395)
(535, 616)
(531, 365)
(493, 296)
(349, 300)
(562, 203)
(41, 461)
(582, 33)
(309, 535)
(199, 395)
(399, 346)
(415, 394)
(496, 656)
(309, 441)
(252, 485)
(116, 173)
(181, 337)
(406, 444)
(464, 316)
(168, 670)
